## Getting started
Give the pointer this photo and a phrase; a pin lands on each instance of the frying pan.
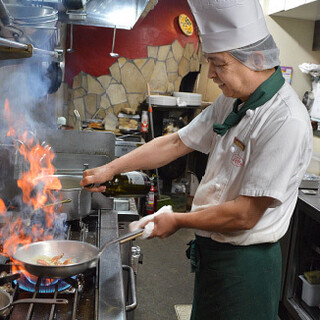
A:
(83, 255)
(6, 302)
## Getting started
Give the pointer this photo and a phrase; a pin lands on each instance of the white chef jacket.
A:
(266, 154)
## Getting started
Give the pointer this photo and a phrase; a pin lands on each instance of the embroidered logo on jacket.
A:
(237, 160)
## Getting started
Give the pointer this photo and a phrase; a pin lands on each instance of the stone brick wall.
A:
(126, 85)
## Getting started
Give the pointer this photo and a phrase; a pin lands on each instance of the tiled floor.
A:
(164, 279)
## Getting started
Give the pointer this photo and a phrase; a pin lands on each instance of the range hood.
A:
(109, 13)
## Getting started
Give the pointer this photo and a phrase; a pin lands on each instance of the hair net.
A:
(261, 55)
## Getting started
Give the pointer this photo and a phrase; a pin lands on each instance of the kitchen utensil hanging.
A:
(112, 53)
(70, 49)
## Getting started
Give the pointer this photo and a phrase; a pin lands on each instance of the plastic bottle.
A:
(144, 121)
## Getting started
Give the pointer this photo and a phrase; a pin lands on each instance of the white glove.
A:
(148, 229)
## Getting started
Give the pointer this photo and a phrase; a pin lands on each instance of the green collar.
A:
(259, 97)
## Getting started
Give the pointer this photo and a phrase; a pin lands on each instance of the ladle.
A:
(70, 49)
(113, 54)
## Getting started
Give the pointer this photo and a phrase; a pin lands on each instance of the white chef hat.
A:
(233, 25)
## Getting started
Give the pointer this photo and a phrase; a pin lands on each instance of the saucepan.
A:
(80, 204)
(6, 302)
(77, 256)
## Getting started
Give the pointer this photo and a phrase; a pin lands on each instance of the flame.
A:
(3, 208)
(12, 131)
(37, 185)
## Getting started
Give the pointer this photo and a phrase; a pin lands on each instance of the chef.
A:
(259, 140)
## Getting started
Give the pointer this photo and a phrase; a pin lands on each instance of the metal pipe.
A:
(14, 44)
(152, 134)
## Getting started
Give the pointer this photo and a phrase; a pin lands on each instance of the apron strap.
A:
(193, 254)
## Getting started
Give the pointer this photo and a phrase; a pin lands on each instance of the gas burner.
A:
(46, 285)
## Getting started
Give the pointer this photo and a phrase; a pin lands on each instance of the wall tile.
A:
(115, 71)
(132, 79)
(177, 84)
(152, 52)
(184, 67)
(159, 79)
(94, 86)
(172, 76)
(170, 87)
(148, 69)
(117, 94)
(188, 50)
(172, 65)
(84, 81)
(140, 62)
(163, 52)
(177, 50)
(79, 92)
(135, 99)
(91, 102)
(104, 102)
(79, 105)
(76, 81)
(125, 86)
(194, 65)
(105, 80)
(122, 61)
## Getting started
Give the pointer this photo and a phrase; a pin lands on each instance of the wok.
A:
(6, 302)
(83, 256)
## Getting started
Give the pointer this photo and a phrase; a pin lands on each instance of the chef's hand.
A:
(96, 176)
(165, 225)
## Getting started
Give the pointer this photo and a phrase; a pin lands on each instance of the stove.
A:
(99, 293)
(102, 293)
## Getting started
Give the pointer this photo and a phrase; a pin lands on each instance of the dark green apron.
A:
(235, 282)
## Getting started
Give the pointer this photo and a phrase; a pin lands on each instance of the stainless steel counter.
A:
(111, 304)
(310, 204)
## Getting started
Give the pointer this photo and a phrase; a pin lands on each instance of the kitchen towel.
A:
(135, 225)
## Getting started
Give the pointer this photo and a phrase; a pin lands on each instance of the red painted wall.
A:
(92, 45)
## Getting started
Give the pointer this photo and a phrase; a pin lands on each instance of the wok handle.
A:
(41, 301)
(126, 237)
(132, 237)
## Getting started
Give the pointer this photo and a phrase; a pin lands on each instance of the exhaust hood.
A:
(109, 13)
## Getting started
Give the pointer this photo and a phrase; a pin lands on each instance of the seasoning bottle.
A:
(144, 121)
(131, 184)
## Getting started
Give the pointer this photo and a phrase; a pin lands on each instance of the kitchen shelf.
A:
(171, 108)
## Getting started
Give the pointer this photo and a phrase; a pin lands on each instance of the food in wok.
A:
(54, 261)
